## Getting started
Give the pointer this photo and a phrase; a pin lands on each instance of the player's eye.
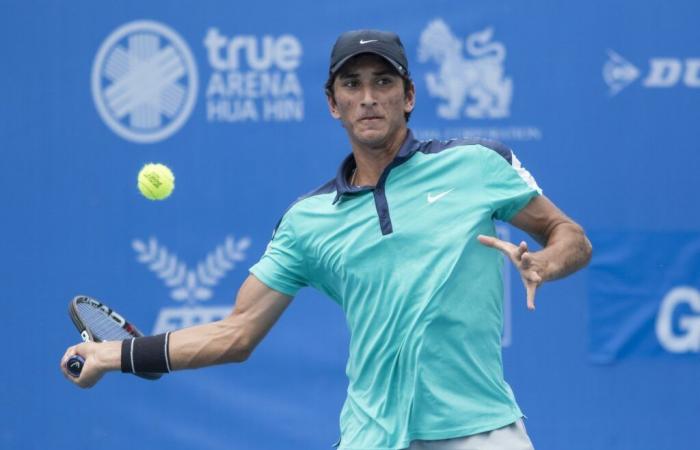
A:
(384, 81)
(350, 83)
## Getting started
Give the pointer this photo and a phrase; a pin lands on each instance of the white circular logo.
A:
(144, 81)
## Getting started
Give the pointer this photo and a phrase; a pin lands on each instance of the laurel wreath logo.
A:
(191, 285)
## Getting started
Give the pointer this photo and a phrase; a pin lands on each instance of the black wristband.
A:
(146, 354)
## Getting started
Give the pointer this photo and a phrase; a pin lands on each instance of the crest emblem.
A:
(190, 286)
(474, 86)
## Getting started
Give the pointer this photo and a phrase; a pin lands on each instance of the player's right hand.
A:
(99, 359)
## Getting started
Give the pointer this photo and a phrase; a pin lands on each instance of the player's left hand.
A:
(531, 266)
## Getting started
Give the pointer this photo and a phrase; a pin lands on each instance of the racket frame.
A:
(85, 332)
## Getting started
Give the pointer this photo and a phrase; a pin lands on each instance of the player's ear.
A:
(410, 96)
(332, 105)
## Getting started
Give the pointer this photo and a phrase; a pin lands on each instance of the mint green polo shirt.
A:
(422, 297)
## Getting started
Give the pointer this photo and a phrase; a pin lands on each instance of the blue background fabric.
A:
(599, 100)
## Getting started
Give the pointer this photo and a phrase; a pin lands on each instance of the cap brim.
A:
(397, 66)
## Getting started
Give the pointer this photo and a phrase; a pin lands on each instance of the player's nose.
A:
(368, 97)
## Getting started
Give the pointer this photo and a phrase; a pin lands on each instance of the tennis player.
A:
(403, 239)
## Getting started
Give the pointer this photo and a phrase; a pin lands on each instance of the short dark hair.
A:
(407, 85)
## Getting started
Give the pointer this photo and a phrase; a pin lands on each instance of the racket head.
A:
(97, 322)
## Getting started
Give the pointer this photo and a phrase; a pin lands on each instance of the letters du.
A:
(667, 72)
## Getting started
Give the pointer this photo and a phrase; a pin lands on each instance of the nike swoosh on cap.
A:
(362, 42)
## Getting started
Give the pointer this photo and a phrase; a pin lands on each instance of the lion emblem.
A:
(473, 86)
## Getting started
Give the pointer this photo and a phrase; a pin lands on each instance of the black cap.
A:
(383, 43)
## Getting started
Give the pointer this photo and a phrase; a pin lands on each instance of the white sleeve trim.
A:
(524, 174)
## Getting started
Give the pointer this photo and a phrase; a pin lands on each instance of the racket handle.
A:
(75, 365)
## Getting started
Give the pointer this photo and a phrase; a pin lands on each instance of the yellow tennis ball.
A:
(156, 181)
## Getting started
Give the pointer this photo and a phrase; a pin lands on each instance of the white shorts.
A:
(510, 437)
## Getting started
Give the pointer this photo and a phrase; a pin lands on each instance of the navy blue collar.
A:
(408, 148)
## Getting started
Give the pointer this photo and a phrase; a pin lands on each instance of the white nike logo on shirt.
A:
(367, 42)
(433, 198)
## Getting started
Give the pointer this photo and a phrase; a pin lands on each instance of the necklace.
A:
(352, 179)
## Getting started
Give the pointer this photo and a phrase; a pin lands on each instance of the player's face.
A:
(370, 101)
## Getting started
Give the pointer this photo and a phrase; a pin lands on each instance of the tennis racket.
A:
(96, 322)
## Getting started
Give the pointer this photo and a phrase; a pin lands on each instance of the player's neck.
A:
(371, 161)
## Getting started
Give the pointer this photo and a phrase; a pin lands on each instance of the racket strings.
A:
(100, 324)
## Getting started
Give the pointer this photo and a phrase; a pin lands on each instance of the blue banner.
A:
(645, 296)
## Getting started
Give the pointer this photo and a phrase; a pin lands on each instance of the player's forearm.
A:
(229, 340)
(204, 345)
(566, 251)
(219, 342)
(233, 339)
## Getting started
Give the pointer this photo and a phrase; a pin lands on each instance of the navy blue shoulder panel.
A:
(436, 146)
(325, 188)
